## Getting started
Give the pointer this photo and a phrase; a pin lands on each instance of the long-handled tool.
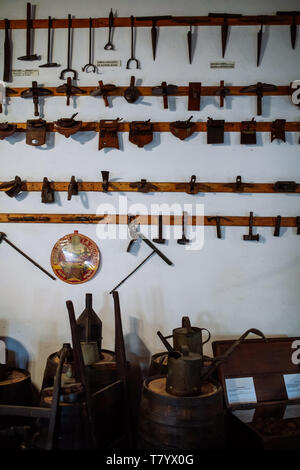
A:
(224, 27)
(259, 89)
(183, 240)
(90, 64)
(132, 57)
(34, 92)
(131, 94)
(139, 236)
(218, 218)
(68, 69)
(259, 42)
(7, 53)
(293, 26)
(3, 237)
(154, 20)
(49, 47)
(250, 236)
(189, 42)
(160, 238)
(109, 45)
(28, 55)
(80, 373)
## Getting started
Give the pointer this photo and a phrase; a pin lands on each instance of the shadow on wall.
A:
(138, 355)
(16, 354)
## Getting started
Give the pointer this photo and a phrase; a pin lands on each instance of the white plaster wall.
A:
(229, 285)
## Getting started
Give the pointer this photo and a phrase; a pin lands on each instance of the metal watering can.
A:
(186, 372)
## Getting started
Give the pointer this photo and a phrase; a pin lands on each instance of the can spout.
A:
(220, 359)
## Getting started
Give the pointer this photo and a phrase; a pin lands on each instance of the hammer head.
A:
(251, 237)
(183, 240)
(29, 57)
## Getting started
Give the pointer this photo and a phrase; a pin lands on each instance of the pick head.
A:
(49, 64)
(29, 57)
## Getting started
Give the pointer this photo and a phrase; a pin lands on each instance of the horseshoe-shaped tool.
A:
(68, 69)
(132, 58)
(86, 68)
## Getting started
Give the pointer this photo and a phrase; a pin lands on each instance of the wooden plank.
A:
(174, 187)
(122, 219)
(165, 126)
(175, 21)
(282, 90)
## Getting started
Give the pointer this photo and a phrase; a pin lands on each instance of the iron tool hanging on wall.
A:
(182, 129)
(164, 90)
(215, 131)
(135, 235)
(34, 92)
(69, 52)
(69, 89)
(131, 94)
(224, 27)
(47, 194)
(29, 55)
(109, 45)
(108, 134)
(248, 132)
(103, 90)
(7, 129)
(293, 26)
(86, 68)
(140, 133)
(67, 126)
(251, 236)
(36, 132)
(222, 92)
(259, 89)
(278, 130)
(132, 56)
(7, 52)
(154, 35)
(49, 64)
(194, 96)
(4, 238)
(14, 187)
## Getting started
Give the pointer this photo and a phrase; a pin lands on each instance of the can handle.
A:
(209, 335)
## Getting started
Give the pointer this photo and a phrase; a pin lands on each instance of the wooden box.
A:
(273, 421)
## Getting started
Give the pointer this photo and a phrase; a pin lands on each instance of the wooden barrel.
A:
(180, 423)
(159, 364)
(100, 374)
(16, 388)
(72, 433)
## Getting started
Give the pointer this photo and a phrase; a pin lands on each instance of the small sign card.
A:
(222, 65)
(292, 385)
(108, 63)
(25, 73)
(240, 390)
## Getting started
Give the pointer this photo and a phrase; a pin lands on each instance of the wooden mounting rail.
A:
(165, 126)
(252, 20)
(282, 90)
(141, 219)
(168, 187)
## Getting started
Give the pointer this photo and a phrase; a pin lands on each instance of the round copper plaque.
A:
(75, 258)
